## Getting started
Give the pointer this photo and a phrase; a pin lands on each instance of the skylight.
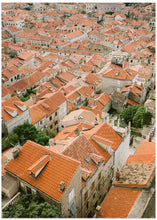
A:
(87, 160)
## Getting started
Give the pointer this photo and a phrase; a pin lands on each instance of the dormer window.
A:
(39, 166)
(11, 111)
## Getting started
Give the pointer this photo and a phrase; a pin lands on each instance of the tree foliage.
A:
(137, 115)
(10, 141)
(42, 138)
(29, 132)
(29, 206)
(26, 132)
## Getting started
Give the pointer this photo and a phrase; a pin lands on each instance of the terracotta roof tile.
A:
(36, 114)
(9, 106)
(85, 91)
(60, 168)
(106, 132)
(65, 76)
(39, 164)
(126, 74)
(119, 202)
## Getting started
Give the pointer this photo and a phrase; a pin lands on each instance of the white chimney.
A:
(15, 152)
(62, 186)
(51, 141)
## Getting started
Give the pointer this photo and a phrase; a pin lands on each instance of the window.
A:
(85, 195)
(99, 197)
(50, 118)
(51, 126)
(40, 122)
(71, 195)
(99, 176)
(56, 122)
(93, 185)
(94, 196)
(55, 113)
(87, 205)
(11, 79)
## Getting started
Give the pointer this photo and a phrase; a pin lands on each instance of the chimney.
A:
(117, 175)
(15, 152)
(51, 141)
(62, 186)
(34, 99)
(150, 137)
(97, 117)
(98, 211)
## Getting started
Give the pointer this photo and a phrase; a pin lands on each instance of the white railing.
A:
(13, 200)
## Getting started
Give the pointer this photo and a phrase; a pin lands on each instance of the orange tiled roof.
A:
(60, 168)
(126, 74)
(93, 79)
(74, 34)
(103, 98)
(95, 111)
(105, 133)
(80, 149)
(145, 152)
(36, 114)
(9, 106)
(39, 164)
(5, 91)
(119, 202)
(85, 91)
(131, 102)
(65, 76)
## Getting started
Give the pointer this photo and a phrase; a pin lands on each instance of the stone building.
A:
(14, 113)
(133, 193)
(55, 177)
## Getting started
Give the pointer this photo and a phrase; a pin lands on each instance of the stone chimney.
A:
(117, 175)
(15, 152)
(51, 141)
(34, 99)
(150, 137)
(62, 186)
(98, 212)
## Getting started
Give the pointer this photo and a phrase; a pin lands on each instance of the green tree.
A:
(26, 132)
(137, 115)
(42, 138)
(147, 118)
(9, 141)
(128, 113)
(49, 133)
(29, 206)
